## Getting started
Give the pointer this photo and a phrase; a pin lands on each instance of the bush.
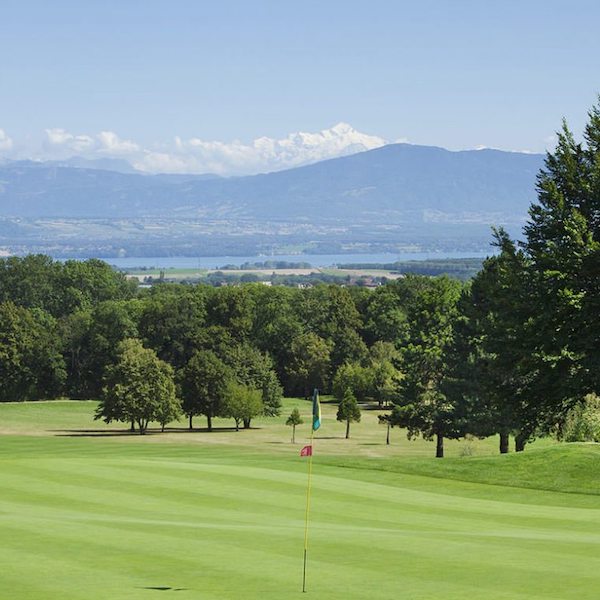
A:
(582, 423)
(467, 448)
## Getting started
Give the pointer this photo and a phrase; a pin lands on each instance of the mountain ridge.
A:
(402, 181)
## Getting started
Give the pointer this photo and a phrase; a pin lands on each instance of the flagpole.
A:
(308, 490)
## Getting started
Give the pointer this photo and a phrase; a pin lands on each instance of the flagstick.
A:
(308, 489)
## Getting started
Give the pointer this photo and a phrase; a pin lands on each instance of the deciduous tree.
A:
(203, 382)
(255, 369)
(422, 407)
(241, 403)
(31, 363)
(348, 410)
(139, 388)
(310, 363)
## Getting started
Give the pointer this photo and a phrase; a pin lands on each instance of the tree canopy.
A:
(348, 410)
(514, 352)
(139, 388)
(31, 363)
(241, 403)
(203, 382)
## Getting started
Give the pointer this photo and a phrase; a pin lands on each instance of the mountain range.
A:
(395, 181)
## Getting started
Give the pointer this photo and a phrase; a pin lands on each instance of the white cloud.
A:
(111, 143)
(195, 155)
(76, 143)
(6, 142)
(524, 151)
(106, 143)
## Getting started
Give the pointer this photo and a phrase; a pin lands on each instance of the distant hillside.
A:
(401, 183)
(460, 268)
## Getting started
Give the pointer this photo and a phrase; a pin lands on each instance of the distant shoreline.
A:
(315, 260)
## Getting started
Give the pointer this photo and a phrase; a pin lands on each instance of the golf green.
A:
(124, 517)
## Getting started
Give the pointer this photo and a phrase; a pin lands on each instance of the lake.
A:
(316, 260)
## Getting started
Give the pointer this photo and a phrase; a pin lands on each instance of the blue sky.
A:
(455, 73)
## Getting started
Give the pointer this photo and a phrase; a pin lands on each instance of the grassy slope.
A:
(569, 468)
(221, 515)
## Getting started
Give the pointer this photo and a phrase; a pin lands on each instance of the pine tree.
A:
(293, 420)
(563, 247)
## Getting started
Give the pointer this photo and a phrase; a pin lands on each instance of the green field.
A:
(87, 511)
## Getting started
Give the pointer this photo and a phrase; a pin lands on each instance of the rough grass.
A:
(86, 515)
(271, 435)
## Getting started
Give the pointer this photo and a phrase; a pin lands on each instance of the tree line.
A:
(518, 349)
(510, 353)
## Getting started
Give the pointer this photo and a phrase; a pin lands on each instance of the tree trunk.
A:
(293, 434)
(141, 427)
(162, 427)
(247, 423)
(191, 416)
(209, 421)
(439, 446)
(387, 437)
(520, 441)
(132, 428)
(347, 429)
(504, 442)
(237, 424)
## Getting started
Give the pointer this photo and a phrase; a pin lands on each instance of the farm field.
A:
(178, 274)
(88, 511)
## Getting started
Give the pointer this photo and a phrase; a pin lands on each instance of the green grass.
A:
(89, 512)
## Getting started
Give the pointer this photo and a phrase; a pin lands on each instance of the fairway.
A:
(181, 515)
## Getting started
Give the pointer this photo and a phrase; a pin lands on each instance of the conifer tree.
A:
(292, 421)
(563, 247)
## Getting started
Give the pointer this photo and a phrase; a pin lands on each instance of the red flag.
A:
(306, 451)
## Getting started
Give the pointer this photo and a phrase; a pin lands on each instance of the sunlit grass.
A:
(85, 514)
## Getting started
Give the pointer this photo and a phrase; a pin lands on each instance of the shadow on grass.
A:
(149, 432)
(92, 433)
(163, 588)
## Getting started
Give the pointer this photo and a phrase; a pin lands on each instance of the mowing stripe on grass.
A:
(127, 518)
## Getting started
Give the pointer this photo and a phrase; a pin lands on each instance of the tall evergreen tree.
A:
(489, 350)
(563, 247)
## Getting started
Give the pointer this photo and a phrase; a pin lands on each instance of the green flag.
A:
(316, 422)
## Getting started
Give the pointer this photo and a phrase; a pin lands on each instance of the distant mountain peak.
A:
(342, 128)
(303, 148)
(194, 155)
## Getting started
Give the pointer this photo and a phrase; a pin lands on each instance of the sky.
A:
(194, 86)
